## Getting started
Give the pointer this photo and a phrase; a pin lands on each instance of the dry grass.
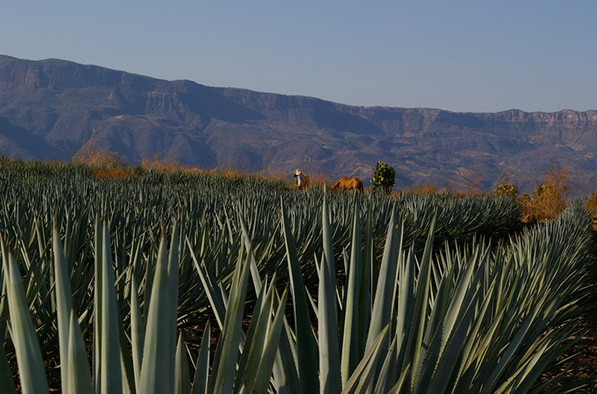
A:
(96, 156)
(433, 189)
(278, 178)
(420, 189)
(318, 181)
(162, 164)
(112, 173)
(467, 193)
(230, 174)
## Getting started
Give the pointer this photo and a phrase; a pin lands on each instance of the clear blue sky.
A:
(535, 55)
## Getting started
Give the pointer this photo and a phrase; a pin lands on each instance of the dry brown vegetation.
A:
(318, 180)
(96, 156)
(112, 173)
(549, 199)
(162, 164)
(110, 165)
(420, 189)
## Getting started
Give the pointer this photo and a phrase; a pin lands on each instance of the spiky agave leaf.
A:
(200, 380)
(306, 343)
(157, 369)
(227, 351)
(182, 378)
(261, 378)
(63, 300)
(355, 320)
(329, 351)
(110, 372)
(6, 378)
(78, 375)
(29, 358)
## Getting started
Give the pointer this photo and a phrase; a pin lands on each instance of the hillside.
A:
(51, 109)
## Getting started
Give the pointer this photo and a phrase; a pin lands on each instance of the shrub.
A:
(506, 189)
(383, 176)
(549, 199)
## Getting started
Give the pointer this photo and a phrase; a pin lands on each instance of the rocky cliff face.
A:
(52, 109)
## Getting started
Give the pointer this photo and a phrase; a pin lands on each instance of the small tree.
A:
(383, 177)
(549, 199)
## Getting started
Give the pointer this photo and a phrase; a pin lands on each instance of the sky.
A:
(463, 56)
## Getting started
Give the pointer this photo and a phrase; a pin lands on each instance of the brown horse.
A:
(346, 183)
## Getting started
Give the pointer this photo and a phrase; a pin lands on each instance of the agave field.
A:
(177, 282)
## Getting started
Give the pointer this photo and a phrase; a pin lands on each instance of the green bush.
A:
(506, 189)
(383, 176)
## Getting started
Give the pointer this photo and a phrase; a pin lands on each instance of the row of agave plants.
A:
(464, 319)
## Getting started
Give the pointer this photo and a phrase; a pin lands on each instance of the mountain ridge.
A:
(54, 109)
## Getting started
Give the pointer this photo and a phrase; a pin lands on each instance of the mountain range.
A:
(54, 109)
